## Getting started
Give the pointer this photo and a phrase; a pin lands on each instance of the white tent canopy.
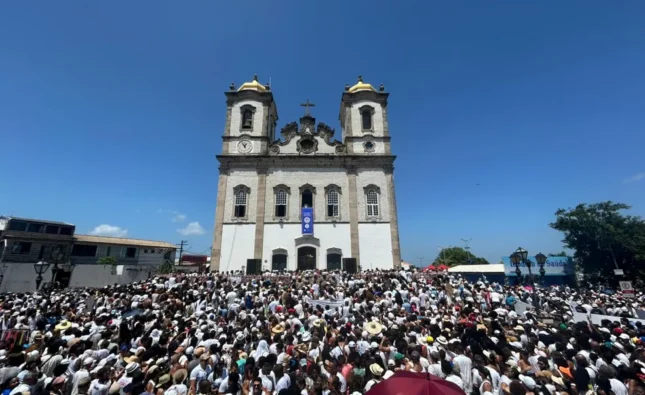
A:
(497, 268)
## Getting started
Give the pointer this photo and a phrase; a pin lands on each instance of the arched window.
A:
(307, 198)
(241, 196)
(247, 119)
(280, 203)
(372, 203)
(332, 194)
(367, 114)
(366, 118)
(332, 203)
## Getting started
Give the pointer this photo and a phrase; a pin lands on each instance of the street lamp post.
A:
(56, 256)
(541, 260)
(516, 260)
(524, 258)
(40, 268)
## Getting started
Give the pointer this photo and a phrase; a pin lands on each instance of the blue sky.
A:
(501, 112)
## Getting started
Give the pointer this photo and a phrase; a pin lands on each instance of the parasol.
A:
(409, 383)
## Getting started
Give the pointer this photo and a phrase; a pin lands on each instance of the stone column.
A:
(259, 216)
(353, 215)
(216, 250)
(394, 222)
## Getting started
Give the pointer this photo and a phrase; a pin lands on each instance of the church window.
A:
(281, 203)
(247, 119)
(247, 112)
(307, 193)
(372, 203)
(241, 197)
(367, 115)
(332, 203)
(307, 198)
(332, 194)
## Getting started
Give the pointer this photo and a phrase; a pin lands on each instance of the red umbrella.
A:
(409, 383)
(431, 267)
(442, 267)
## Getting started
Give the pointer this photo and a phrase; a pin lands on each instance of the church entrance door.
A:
(279, 262)
(306, 258)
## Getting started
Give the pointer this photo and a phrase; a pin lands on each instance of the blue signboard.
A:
(308, 221)
(554, 266)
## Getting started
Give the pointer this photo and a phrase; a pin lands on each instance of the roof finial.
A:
(346, 87)
(255, 77)
(381, 88)
(360, 78)
(232, 86)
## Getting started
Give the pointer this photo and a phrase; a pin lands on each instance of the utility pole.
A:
(181, 248)
(467, 248)
(420, 261)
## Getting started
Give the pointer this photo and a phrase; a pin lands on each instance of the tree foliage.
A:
(454, 256)
(603, 237)
(167, 267)
(107, 260)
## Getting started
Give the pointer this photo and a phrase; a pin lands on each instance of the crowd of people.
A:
(313, 333)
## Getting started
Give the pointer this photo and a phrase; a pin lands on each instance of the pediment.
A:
(304, 139)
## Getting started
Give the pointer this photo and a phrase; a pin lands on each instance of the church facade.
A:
(299, 198)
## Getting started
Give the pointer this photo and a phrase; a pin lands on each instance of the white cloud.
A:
(176, 216)
(635, 177)
(179, 218)
(109, 230)
(192, 229)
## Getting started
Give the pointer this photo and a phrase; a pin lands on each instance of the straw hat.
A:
(180, 376)
(558, 380)
(376, 369)
(373, 328)
(442, 340)
(163, 380)
(64, 324)
(278, 329)
(319, 322)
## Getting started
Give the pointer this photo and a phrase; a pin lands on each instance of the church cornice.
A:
(385, 162)
(245, 137)
(262, 97)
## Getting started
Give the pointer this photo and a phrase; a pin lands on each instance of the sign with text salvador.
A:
(554, 266)
(307, 221)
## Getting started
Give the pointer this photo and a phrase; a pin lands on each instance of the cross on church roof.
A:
(306, 105)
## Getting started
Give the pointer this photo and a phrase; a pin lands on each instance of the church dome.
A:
(253, 86)
(361, 86)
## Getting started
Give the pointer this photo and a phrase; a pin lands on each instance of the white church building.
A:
(301, 199)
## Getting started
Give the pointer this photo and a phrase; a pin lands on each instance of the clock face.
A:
(244, 146)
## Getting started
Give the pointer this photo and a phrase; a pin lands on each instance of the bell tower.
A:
(363, 118)
(251, 118)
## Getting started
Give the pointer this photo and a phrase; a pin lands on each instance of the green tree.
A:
(603, 238)
(107, 260)
(454, 256)
(166, 267)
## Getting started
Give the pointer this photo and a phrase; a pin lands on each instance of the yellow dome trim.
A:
(253, 86)
(361, 86)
